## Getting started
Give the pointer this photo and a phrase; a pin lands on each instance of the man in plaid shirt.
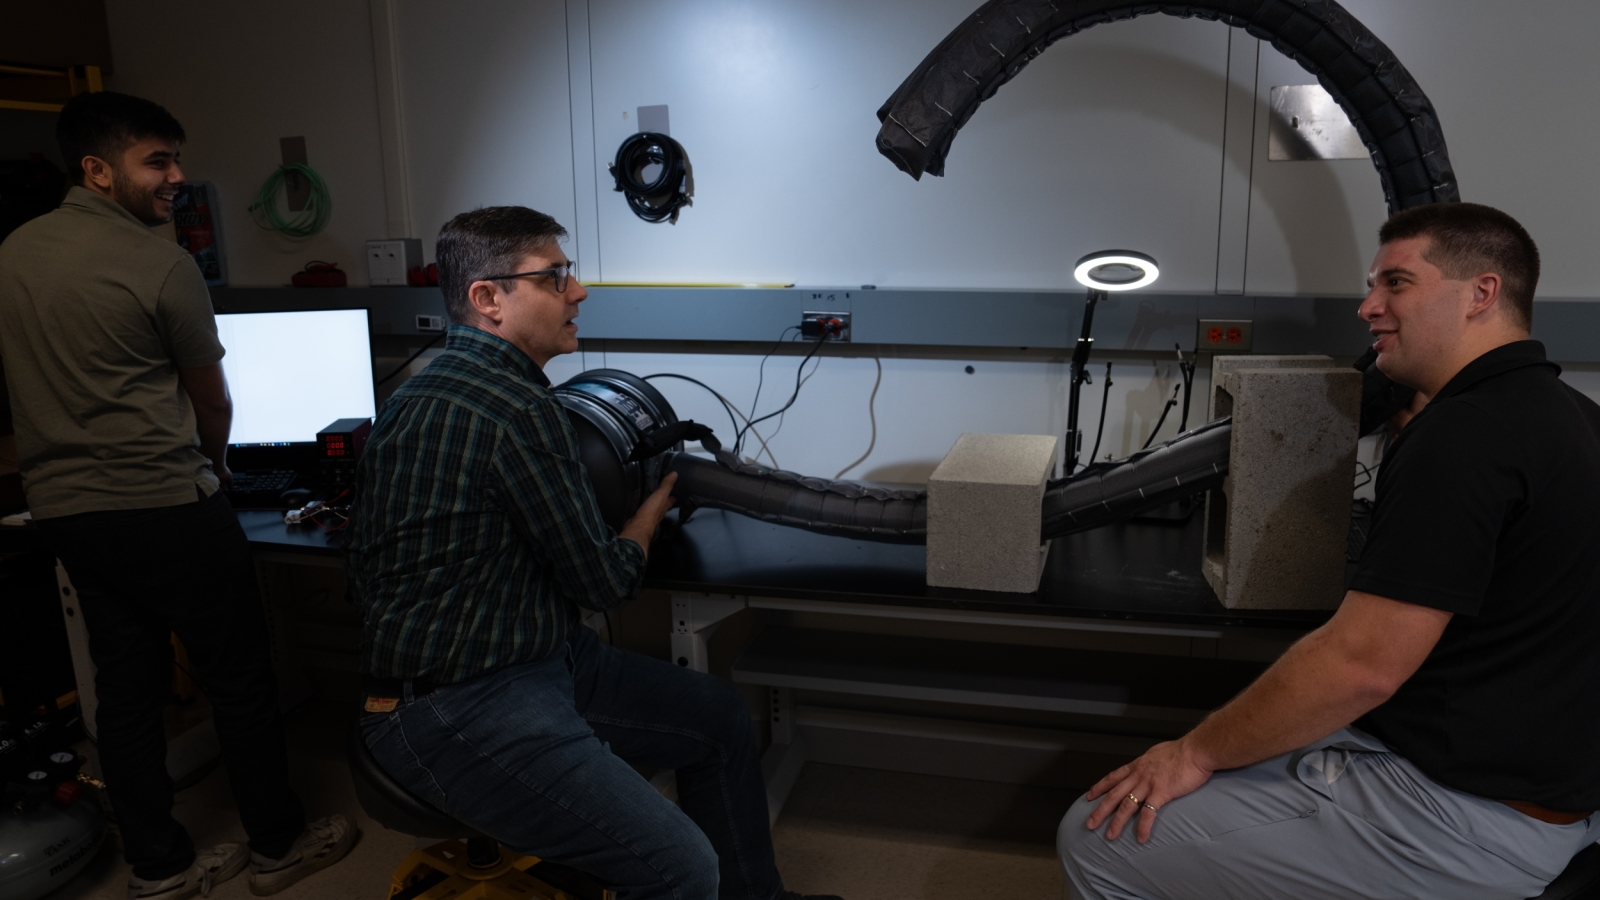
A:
(475, 542)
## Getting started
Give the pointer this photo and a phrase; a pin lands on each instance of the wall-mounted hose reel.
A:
(653, 196)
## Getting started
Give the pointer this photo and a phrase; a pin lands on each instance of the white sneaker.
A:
(323, 843)
(212, 866)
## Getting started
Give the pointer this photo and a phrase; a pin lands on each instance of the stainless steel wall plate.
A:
(1306, 123)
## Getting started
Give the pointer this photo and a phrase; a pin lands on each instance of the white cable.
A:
(872, 414)
(751, 429)
(783, 415)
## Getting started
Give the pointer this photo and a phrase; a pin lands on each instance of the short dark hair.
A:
(105, 123)
(1469, 239)
(489, 241)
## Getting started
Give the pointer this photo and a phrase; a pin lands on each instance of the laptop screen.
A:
(292, 374)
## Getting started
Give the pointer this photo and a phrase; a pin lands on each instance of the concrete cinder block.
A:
(984, 504)
(1277, 530)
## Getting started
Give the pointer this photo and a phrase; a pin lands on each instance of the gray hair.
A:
(492, 240)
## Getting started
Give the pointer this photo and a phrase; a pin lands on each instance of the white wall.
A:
(487, 112)
(239, 76)
(1113, 138)
(1313, 224)
(1513, 85)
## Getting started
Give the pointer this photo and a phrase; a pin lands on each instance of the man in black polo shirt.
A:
(1440, 736)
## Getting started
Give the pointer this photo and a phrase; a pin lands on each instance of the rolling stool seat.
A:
(467, 865)
(1580, 881)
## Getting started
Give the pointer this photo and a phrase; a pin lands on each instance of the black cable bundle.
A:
(660, 198)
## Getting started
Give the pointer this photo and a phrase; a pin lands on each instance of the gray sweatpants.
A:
(1344, 818)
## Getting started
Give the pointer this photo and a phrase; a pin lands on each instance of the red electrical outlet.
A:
(1224, 336)
(813, 324)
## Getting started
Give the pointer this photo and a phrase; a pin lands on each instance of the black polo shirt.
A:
(1488, 506)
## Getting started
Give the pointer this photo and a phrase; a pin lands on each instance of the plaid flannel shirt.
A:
(476, 536)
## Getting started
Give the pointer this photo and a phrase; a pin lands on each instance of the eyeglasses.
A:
(560, 274)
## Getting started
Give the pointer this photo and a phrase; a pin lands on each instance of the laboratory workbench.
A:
(1153, 651)
(1136, 572)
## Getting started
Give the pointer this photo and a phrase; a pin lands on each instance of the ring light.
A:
(1148, 270)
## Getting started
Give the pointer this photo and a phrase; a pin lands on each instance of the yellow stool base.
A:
(443, 873)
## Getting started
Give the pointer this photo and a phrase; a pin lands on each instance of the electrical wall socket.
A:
(1224, 336)
(812, 323)
(388, 261)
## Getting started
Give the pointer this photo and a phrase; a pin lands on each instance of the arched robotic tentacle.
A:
(1389, 110)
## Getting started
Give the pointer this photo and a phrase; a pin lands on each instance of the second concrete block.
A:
(1277, 531)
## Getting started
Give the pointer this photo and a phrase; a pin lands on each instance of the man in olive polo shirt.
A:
(122, 414)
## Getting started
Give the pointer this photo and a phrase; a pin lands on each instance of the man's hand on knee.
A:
(1164, 773)
(1327, 680)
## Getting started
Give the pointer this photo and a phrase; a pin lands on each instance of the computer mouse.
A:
(295, 498)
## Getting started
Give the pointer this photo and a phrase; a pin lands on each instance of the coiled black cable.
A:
(660, 198)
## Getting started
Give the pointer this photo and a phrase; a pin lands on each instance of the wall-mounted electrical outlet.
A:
(430, 323)
(1224, 336)
(388, 261)
(814, 323)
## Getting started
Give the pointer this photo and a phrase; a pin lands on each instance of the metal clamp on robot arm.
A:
(667, 437)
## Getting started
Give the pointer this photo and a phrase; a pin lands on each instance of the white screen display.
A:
(292, 374)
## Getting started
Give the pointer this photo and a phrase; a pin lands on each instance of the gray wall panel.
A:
(930, 318)
(964, 318)
(689, 314)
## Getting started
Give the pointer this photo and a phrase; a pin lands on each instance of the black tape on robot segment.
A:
(1393, 116)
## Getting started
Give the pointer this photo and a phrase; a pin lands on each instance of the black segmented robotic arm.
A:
(1390, 112)
(624, 427)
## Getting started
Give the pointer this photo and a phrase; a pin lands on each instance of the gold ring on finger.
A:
(1133, 798)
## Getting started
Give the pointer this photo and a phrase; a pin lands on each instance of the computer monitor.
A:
(292, 373)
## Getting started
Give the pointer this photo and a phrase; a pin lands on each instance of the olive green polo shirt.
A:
(96, 315)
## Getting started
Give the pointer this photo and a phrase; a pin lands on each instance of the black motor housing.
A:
(612, 411)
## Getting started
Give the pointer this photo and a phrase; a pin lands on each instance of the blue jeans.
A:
(536, 756)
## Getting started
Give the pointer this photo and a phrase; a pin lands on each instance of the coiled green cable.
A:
(309, 221)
